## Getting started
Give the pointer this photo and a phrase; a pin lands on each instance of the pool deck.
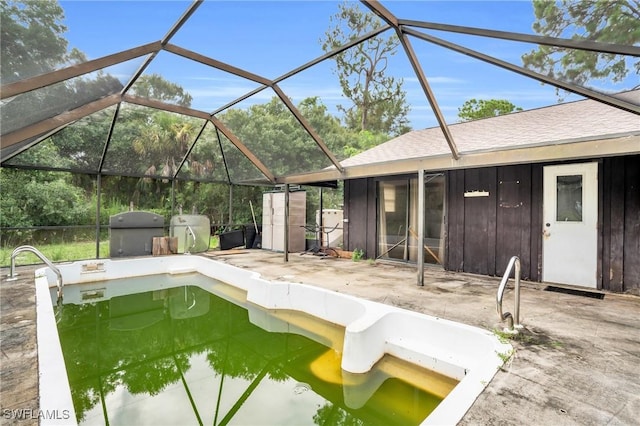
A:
(575, 363)
(18, 348)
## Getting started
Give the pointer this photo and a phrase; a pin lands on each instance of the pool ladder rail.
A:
(188, 230)
(12, 271)
(513, 321)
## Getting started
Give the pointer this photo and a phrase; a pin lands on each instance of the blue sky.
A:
(271, 37)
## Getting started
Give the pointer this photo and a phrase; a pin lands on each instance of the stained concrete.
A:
(575, 363)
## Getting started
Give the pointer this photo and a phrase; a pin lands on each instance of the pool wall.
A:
(54, 390)
(372, 329)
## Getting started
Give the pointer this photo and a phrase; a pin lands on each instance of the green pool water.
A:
(184, 356)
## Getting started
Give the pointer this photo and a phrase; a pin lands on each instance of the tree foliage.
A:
(363, 141)
(276, 137)
(32, 44)
(379, 102)
(162, 143)
(154, 86)
(475, 109)
(607, 21)
(147, 146)
(35, 198)
(31, 38)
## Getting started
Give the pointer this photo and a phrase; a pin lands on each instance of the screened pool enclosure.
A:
(178, 91)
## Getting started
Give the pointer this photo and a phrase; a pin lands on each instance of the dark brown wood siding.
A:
(535, 266)
(513, 220)
(360, 211)
(621, 224)
(454, 231)
(479, 249)
(482, 233)
(517, 229)
(632, 225)
(485, 232)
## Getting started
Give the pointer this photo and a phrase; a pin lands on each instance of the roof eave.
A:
(607, 146)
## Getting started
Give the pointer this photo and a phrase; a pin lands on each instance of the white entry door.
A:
(570, 226)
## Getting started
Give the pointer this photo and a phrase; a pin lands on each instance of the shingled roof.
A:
(571, 122)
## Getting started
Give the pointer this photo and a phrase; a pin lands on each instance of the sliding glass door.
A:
(394, 218)
(434, 218)
(398, 219)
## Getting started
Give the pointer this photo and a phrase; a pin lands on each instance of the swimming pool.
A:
(371, 330)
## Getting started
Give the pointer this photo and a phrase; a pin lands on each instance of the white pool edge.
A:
(56, 404)
(470, 354)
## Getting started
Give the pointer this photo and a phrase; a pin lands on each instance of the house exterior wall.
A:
(485, 232)
(360, 212)
(620, 231)
(482, 233)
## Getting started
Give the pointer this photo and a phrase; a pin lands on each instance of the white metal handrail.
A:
(512, 320)
(188, 230)
(18, 250)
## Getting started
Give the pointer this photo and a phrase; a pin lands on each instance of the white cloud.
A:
(437, 80)
(209, 97)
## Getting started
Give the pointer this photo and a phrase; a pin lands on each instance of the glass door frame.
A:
(410, 183)
(400, 182)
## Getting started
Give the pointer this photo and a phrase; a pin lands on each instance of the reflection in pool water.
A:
(183, 355)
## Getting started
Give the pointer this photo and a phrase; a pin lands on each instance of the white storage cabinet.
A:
(273, 220)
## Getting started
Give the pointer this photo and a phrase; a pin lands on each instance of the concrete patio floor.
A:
(575, 363)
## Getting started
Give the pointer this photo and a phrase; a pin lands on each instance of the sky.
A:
(270, 38)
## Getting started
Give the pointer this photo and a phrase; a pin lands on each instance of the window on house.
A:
(569, 198)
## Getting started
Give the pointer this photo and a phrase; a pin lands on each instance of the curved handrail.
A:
(189, 230)
(515, 260)
(18, 250)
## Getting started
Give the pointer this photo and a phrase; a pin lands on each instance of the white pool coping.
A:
(466, 353)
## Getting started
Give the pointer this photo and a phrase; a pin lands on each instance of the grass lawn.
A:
(56, 253)
(67, 252)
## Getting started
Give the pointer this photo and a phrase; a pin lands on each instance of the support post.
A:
(230, 204)
(286, 222)
(321, 221)
(420, 259)
(173, 197)
(98, 198)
